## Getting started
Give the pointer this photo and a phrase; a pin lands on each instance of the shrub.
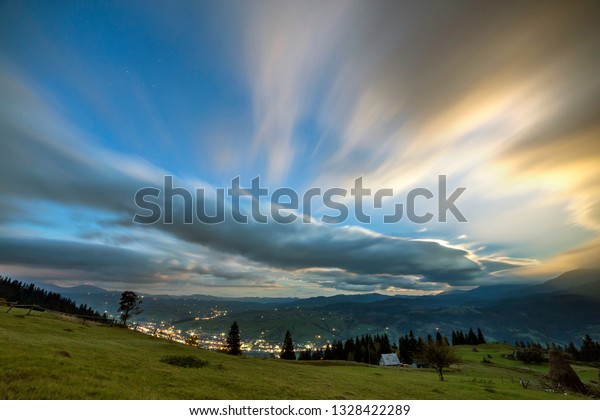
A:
(531, 355)
(184, 361)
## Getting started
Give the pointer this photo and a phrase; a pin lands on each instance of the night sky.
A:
(101, 99)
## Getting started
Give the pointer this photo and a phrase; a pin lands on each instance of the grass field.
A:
(44, 357)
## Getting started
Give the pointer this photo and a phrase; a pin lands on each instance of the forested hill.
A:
(28, 294)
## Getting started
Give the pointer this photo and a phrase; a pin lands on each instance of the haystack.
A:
(562, 374)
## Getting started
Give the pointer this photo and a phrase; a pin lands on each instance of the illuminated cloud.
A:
(501, 98)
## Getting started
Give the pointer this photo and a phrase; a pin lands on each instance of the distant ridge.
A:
(69, 290)
(582, 281)
(558, 310)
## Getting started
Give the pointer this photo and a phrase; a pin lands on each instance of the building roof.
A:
(389, 359)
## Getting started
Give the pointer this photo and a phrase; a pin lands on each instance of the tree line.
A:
(365, 349)
(535, 353)
(588, 352)
(29, 294)
(410, 347)
(460, 338)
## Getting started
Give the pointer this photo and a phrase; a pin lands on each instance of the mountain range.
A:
(559, 310)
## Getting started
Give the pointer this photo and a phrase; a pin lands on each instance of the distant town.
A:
(215, 341)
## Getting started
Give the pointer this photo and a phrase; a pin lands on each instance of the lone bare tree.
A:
(129, 305)
(439, 356)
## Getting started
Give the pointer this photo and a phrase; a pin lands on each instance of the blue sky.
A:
(102, 99)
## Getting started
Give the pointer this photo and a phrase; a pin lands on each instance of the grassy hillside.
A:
(43, 357)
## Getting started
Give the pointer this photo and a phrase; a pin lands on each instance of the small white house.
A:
(389, 359)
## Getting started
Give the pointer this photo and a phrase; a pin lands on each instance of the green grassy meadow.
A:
(45, 357)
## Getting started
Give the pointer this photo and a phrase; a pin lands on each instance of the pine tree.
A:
(420, 346)
(328, 354)
(480, 338)
(572, 350)
(385, 345)
(472, 338)
(288, 347)
(438, 339)
(403, 350)
(234, 343)
(349, 350)
(414, 346)
(359, 352)
(338, 350)
(306, 355)
(590, 350)
(371, 352)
